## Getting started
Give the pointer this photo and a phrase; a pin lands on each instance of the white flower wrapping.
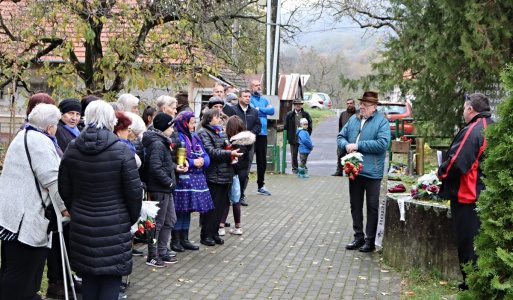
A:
(358, 155)
(148, 208)
(428, 179)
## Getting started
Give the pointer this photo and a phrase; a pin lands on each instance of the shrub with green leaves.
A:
(492, 277)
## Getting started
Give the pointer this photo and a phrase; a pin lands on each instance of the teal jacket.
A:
(263, 111)
(373, 144)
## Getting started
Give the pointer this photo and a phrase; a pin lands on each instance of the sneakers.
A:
(168, 259)
(263, 191)
(222, 231)
(156, 262)
(136, 252)
(236, 230)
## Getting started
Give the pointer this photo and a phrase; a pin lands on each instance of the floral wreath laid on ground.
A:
(427, 187)
(352, 164)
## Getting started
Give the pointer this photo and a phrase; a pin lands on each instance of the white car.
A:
(317, 100)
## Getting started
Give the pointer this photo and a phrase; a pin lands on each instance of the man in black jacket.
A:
(342, 120)
(461, 176)
(291, 124)
(250, 117)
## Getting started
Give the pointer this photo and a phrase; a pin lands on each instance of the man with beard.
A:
(342, 120)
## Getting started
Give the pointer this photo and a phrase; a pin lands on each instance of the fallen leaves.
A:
(409, 294)
(362, 277)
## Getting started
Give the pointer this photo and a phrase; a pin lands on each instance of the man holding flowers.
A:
(367, 133)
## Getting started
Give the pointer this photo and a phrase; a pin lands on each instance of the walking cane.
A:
(64, 255)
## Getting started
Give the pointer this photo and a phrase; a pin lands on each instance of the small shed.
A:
(290, 88)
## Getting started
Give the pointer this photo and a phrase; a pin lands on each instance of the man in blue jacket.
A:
(369, 134)
(260, 149)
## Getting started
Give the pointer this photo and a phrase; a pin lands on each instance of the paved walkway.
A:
(293, 247)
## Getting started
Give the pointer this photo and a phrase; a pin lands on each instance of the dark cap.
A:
(215, 100)
(162, 121)
(70, 105)
(182, 97)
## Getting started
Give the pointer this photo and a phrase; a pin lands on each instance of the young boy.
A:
(305, 146)
(161, 182)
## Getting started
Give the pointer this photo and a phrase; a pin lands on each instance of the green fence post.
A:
(284, 154)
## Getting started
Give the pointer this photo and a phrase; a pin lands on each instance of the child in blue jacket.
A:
(305, 146)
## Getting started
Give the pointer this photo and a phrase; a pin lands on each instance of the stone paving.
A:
(293, 246)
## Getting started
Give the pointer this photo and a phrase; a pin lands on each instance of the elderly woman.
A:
(167, 104)
(33, 101)
(219, 175)
(130, 103)
(99, 182)
(191, 193)
(23, 226)
(137, 128)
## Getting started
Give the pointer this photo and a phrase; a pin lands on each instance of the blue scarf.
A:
(219, 129)
(54, 139)
(132, 147)
(74, 131)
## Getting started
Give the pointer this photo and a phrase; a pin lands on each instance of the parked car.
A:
(317, 100)
(397, 110)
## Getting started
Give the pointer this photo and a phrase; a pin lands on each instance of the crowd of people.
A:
(98, 161)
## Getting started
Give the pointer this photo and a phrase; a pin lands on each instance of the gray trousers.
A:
(164, 223)
(340, 154)
(293, 155)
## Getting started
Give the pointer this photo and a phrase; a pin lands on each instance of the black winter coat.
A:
(249, 117)
(220, 170)
(64, 137)
(159, 167)
(99, 183)
(244, 145)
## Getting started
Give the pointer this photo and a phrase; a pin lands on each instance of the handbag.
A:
(48, 209)
(234, 192)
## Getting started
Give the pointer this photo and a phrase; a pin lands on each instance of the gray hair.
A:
(137, 125)
(165, 101)
(479, 102)
(128, 101)
(100, 114)
(44, 115)
(117, 106)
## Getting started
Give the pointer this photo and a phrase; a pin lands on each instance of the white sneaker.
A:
(236, 230)
(222, 231)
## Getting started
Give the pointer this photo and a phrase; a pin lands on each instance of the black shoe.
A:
(243, 202)
(227, 224)
(208, 242)
(136, 252)
(368, 247)
(336, 174)
(175, 241)
(357, 243)
(218, 240)
(184, 241)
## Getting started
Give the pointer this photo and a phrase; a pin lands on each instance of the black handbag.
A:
(49, 210)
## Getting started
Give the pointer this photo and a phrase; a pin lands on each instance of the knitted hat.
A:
(230, 97)
(215, 100)
(302, 122)
(70, 105)
(182, 97)
(163, 121)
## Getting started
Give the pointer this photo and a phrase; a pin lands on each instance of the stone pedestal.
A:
(425, 240)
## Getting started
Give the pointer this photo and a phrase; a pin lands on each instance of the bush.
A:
(492, 276)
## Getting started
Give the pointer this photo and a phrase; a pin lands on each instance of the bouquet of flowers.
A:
(427, 187)
(352, 164)
(146, 231)
(402, 138)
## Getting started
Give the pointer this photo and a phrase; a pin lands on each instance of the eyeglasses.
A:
(366, 105)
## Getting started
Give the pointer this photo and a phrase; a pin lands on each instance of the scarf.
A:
(191, 139)
(74, 131)
(54, 139)
(130, 145)
(219, 129)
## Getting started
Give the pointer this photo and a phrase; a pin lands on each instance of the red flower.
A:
(172, 145)
(148, 224)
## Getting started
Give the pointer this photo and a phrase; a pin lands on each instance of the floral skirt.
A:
(192, 193)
